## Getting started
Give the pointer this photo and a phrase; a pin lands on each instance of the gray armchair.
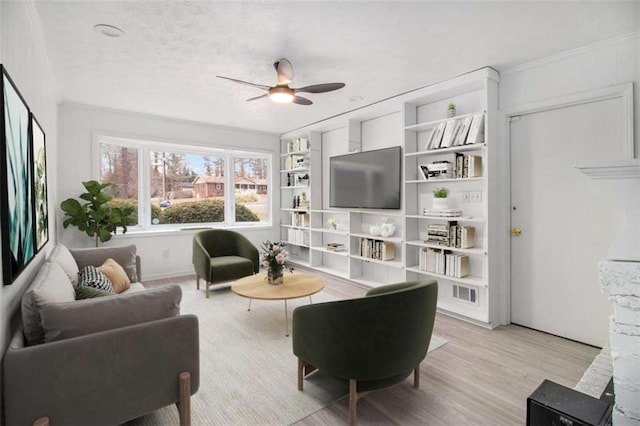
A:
(371, 342)
(221, 255)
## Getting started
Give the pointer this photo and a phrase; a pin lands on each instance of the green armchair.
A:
(373, 342)
(220, 255)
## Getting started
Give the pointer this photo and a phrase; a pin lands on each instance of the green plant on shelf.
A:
(441, 193)
(451, 106)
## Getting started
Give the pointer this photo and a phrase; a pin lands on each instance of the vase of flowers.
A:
(274, 260)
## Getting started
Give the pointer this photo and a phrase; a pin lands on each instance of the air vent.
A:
(465, 294)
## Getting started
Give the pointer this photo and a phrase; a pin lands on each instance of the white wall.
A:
(591, 67)
(23, 53)
(163, 253)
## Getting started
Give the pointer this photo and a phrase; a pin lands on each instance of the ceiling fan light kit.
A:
(282, 93)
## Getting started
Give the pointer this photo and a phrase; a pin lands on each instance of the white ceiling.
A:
(166, 62)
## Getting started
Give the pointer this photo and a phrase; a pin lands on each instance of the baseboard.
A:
(175, 274)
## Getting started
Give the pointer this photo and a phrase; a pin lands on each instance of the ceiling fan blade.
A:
(259, 86)
(320, 88)
(301, 101)
(258, 97)
(285, 71)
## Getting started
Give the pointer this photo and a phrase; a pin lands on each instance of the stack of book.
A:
(438, 233)
(298, 144)
(437, 170)
(443, 262)
(299, 219)
(377, 249)
(335, 247)
(298, 236)
(293, 162)
(442, 212)
(451, 235)
(461, 166)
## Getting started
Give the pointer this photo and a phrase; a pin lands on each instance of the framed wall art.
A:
(40, 183)
(16, 182)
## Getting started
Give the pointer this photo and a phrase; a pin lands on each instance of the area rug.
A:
(248, 373)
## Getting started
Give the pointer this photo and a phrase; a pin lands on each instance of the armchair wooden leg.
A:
(353, 400)
(300, 374)
(207, 289)
(41, 421)
(304, 369)
(416, 376)
(197, 282)
(184, 404)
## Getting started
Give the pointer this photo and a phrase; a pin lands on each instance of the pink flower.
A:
(276, 247)
(265, 264)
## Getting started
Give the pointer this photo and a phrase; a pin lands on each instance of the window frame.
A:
(145, 146)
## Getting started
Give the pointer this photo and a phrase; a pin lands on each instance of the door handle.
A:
(516, 232)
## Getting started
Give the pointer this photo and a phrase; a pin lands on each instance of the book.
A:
(335, 247)
(451, 126)
(467, 237)
(476, 131)
(461, 137)
(436, 136)
(474, 168)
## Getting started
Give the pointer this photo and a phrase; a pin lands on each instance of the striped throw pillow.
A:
(90, 276)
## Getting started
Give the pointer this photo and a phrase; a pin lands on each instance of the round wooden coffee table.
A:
(294, 286)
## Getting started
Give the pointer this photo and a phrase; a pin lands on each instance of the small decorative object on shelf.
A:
(333, 223)
(387, 229)
(440, 200)
(374, 230)
(274, 259)
(451, 110)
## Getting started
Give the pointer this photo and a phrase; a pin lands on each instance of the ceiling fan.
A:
(282, 92)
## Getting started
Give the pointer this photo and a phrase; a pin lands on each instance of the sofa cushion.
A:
(62, 256)
(124, 255)
(86, 292)
(135, 287)
(118, 277)
(78, 318)
(50, 285)
(90, 276)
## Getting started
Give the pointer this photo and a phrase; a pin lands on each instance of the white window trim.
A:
(146, 145)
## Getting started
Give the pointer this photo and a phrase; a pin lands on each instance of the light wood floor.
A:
(481, 377)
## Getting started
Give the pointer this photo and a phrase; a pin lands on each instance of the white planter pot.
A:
(440, 203)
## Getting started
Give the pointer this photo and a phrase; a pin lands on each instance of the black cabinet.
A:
(552, 404)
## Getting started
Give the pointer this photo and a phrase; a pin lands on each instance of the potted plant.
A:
(451, 110)
(440, 200)
(94, 216)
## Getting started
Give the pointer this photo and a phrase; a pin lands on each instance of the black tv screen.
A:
(369, 180)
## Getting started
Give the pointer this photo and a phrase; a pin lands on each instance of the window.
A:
(119, 167)
(251, 189)
(177, 185)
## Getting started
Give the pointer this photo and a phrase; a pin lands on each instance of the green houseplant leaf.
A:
(93, 217)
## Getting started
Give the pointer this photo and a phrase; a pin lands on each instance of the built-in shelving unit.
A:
(473, 286)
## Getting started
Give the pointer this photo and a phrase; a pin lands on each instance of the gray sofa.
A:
(101, 361)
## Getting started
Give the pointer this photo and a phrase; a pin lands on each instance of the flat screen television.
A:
(366, 180)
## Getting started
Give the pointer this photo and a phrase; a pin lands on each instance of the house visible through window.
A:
(177, 185)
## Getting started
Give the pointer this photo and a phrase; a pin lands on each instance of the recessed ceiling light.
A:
(108, 30)
(356, 99)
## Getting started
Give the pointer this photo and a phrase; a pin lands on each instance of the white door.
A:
(565, 227)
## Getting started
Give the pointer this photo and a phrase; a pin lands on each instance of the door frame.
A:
(623, 91)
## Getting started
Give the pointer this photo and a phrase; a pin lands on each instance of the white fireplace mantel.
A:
(619, 184)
